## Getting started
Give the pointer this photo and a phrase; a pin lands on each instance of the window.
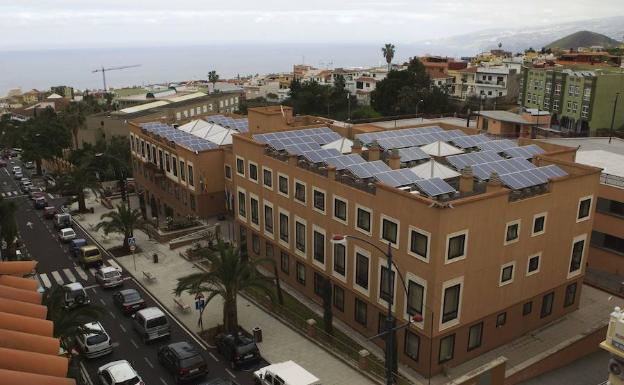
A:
(241, 204)
(512, 232)
(339, 297)
(456, 245)
(607, 241)
(282, 184)
(268, 218)
(319, 282)
(501, 319)
(450, 306)
(527, 308)
(183, 171)
(611, 207)
(300, 236)
(415, 297)
(285, 262)
(242, 234)
(584, 208)
(340, 209)
(319, 246)
(192, 201)
(539, 224)
(360, 312)
(174, 166)
(240, 166)
(419, 243)
(339, 259)
(533, 265)
(300, 192)
(412, 345)
(547, 304)
(361, 270)
(475, 334)
(363, 219)
(507, 273)
(253, 172)
(386, 285)
(447, 347)
(228, 172)
(570, 295)
(301, 273)
(268, 249)
(267, 178)
(255, 243)
(254, 207)
(190, 176)
(319, 200)
(578, 247)
(389, 230)
(283, 223)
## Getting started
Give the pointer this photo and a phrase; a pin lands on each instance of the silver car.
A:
(151, 324)
(108, 277)
(119, 373)
(94, 341)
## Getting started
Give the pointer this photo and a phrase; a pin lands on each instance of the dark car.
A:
(48, 212)
(40, 203)
(129, 301)
(75, 245)
(239, 350)
(183, 361)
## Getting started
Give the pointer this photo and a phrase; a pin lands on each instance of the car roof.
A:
(67, 229)
(95, 326)
(108, 269)
(120, 370)
(79, 240)
(74, 286)
(151, 312)
(128, 291)
(88, 247)
(183, 349)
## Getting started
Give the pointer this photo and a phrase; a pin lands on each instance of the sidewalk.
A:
(280, 343)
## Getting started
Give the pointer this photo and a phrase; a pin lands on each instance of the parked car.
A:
(285, 373)
(16, 169)
(18, 175)
(67, 234)
(93, 341)
(25, 185)
(183, 361)
(75, 245)
(75, 295)
(238, 349)
(3, 163)
(29, 165)
(48, 212)
(35, 191)
(40, 203)
(62, 221)
(129, 301)
(151, 324)
(108, 277)
(89, 256)
(119, 373)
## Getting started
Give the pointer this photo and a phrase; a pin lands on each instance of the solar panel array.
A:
(341, 162)
(300, 148)
(372, 136)
(368, 169)
(413, 140)
(470, 141)
(180, 138)
(397, 178)
(531, 177)
(410, 154)
(434, 187)
(497, 145)
(319, 156)
(241, 125)
(279, 140)
(505, 166)
(526, 152)
(462, 160)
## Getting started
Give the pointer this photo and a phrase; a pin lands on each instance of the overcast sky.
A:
(87, 23)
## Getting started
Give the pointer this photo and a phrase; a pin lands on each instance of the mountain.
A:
(519, 39)
(584, 39)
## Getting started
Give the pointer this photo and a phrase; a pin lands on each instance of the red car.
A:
(48, 212)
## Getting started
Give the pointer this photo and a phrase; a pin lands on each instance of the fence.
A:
(612, 180)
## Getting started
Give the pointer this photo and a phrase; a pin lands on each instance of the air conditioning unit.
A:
(616, 367)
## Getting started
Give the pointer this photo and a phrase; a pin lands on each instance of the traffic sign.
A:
(132, 241)
(132, 248)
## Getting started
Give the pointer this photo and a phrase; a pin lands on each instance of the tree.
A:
(388, 54)
(213, 78)
(8, 225)
(123, 220)
(44, 137)
(313, 98)
(76, 180)
(328, 315)
(10, 131)
(229, 275)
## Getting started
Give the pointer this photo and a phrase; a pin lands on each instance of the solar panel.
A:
(532, 177)
(469, 141)
(181, 138)
(497, 145)
(368, 169)
(412, 153)
(341, 162)
(434, 187)
(300, 148)
(397, 178)
(320, 135)
(553, 171)
(505, 166)
(370, 137)
(526, 152)
(318, 156)
(462, 160)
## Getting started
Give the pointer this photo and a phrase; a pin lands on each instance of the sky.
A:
(28, 24)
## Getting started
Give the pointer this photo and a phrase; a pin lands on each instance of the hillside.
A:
(583, 39)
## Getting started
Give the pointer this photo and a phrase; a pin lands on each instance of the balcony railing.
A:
(612, 180)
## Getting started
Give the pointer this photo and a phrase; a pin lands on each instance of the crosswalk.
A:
(8, 194)
(71, 274)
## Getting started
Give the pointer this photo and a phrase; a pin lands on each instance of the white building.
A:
(491, 82)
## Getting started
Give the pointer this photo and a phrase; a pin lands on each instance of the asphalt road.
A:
(57, 267)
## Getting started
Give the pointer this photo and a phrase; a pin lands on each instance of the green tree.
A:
(388, 54)
(313, 98)
(123, 220)
(229, 274)
(8, 225)
(10, 131)
(213, 78)
(44, 137)
(364, 112)
(76, 181)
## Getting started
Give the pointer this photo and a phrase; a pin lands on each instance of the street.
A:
(57, 267)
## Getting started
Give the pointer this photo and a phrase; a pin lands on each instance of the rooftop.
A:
(503, 116)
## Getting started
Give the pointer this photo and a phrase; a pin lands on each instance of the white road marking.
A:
(114, 264)
(45, 280)
(57, 277)
(85, 374)
(69, 275)
(2, 195)
(134, 343)
(230, 372)
(213, 356)
(103, 302)
(92, 270)
(112, 314)
(51, 196)
(115, 344)
(148, 362)
(81, 273)
(122, 328)
(163, 381)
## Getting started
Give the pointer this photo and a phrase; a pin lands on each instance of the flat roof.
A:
(504, 116)
(597, 152)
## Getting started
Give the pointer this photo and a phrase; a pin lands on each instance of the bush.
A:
(174, 224)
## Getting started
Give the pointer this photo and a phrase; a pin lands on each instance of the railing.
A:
(612, 180)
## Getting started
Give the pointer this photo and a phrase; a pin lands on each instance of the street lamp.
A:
(390, 329)
(417, 104)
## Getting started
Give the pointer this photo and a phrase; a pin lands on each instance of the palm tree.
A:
(8, 225)
(388, 53)
(213, 77)
(76, 181)
(74, 118)
(123, 221)
(230, 273)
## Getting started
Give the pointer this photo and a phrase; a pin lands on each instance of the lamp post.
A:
(390, 329)
(417, 104)
(615, 102)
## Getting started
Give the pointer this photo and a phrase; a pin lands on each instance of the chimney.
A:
(373, 151)
(293, 160)
(395, 159)
(494, 183)
(331, 172)
(356, 148)
(466, 180)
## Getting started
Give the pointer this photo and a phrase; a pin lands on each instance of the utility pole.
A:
(617, 96)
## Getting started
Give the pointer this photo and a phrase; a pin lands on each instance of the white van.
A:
(285, 373)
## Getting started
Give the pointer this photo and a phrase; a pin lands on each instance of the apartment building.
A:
(492, 82)
(581, 102)
(486, 257)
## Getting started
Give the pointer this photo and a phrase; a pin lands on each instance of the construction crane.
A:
(104, 70)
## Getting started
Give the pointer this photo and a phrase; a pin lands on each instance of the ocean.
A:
(42, 69)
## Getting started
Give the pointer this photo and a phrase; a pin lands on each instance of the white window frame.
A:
(192, 165)
(333, 208)
(445, 285)
(383, 262)
(578, 208)
(413, 277)
(266, 233)
(240, 217)
(279, 174)
(255, 226)
(320, 230)
(545, 215)
(342, 278)
(303, 255)
(316, 189)
(582, 237)
(446, 248)
(539, 264)
(360, 289)
(383, 217)
(513, 273)
(511, 223)
(279, 228)
(225, 166)
(424, 258)
(305, 192)
(272, 181)
(236, 166)
(355, 219)
(249, 164)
